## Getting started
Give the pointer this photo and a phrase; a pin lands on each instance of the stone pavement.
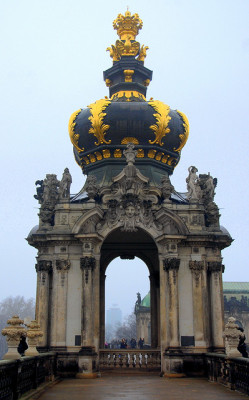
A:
(139, 388)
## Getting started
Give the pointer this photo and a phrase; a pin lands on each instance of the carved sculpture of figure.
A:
(212, 214)
(130, 154)
(65, 183)
(49, 198)
(139, 301)
(39, 191)
(91, 186)
(192, 184)
(207, 184)
(166, 187)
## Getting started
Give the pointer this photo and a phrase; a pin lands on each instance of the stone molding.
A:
(44, 266)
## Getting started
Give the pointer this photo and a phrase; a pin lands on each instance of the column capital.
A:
(63, 265)
(215, 266)
(87, 263)
(196, 267)
(44, 266)
(171, 264)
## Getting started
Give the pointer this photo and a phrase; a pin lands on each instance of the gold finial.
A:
(127, 25)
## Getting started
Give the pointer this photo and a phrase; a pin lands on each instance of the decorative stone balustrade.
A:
(147, 360)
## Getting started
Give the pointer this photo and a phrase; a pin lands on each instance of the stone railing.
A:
(120, 359)
(20, 376)
(229, 371)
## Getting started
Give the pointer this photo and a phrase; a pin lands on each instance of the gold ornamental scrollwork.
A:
(184, 136)
(162, 117)
(73, 136)
(98, 128)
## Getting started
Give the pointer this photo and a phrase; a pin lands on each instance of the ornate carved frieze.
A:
(196, 268)
(44, 266)
(87, 264)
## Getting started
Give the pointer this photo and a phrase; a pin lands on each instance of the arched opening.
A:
(127, 246)
(126, 282)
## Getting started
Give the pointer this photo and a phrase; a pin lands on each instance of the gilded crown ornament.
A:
(127, 27)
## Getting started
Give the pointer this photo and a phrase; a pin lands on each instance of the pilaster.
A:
(44, 276)
(171, 267)
(215, 269)
(197, 268)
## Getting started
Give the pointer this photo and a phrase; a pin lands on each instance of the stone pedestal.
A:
(173, 365)
(87, 363)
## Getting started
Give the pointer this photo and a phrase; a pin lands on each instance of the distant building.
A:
(236, 304)
(114, 316)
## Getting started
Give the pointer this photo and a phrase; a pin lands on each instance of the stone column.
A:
(44, 275)
(197, 268)
(171, 266)
(215, 270)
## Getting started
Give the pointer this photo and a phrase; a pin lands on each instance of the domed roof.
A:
(101, 131)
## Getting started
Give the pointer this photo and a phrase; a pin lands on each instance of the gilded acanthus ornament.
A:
(162, 117)
(142, 53)
(184, 136)
(73, 136)
(98, 128)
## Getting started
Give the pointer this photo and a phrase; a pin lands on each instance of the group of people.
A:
(123, 344)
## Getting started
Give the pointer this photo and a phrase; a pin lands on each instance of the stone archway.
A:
(128, 245)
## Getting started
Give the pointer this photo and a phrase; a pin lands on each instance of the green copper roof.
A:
(235, 286)
(146, 301)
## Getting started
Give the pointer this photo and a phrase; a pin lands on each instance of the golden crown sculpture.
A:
(127, 27)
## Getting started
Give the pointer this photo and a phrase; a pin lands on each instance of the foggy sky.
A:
(53, 54)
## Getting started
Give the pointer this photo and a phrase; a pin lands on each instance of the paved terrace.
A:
(139, 388)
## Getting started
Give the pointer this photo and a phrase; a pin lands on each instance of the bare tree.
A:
(128, 329)
(24, 308)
